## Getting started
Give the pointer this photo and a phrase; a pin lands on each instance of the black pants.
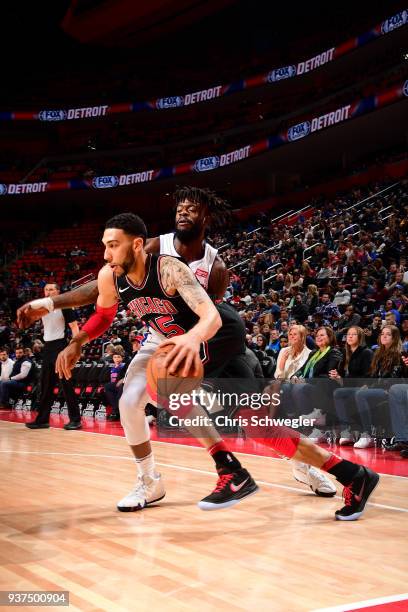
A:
(48, 381)
(113, 394)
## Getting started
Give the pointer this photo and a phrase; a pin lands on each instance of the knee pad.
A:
(133, 419)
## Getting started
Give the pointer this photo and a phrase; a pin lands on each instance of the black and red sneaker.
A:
(231, 488)
(356, 494)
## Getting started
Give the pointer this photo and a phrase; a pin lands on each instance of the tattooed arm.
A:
(176, 277)
(87, 294)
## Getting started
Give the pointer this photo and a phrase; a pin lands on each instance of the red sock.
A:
(223, 457)
(218, 446)
(345, 471)
(331, 462)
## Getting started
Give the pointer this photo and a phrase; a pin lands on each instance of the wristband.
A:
(46, 303)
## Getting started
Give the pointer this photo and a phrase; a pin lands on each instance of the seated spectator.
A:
(38, 351)
(398, 402)
(284, 328)
(342, 296)
(274, 346)
(284, 318)
(327, 309)
(261, 342)
(404, 330)
(390, 308)
(125, 341)
(380, 293)
(107, 357)
(283, 339)
(350, 318)
(390, 319)
(356, 364)
(372, 332)
(266, 329)
(324, 274)
(299, 310)
(6, 365)
(315, 393)
(114, 388)
(292, 358)
(386, 365)
(312, 298)
(19, 377)
(135, 340)
(28, 353)
(114, 338)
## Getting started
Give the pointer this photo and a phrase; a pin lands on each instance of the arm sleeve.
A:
(100, 321)
(69, 315)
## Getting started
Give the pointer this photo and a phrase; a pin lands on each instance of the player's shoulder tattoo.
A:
(177, 276)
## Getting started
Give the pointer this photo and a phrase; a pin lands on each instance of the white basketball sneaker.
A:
(313, 478)
(346, 438)
(365, 441)
(147, 491)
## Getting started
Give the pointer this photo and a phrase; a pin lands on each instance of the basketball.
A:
(159, 379)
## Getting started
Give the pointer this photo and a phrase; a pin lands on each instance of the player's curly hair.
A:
(219, 210)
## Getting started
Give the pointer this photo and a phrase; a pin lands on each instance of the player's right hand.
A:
(67, 359)
(26, 315)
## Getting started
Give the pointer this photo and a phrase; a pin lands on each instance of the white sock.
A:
(146, 466)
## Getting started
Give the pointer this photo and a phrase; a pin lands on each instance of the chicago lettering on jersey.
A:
(147, 305)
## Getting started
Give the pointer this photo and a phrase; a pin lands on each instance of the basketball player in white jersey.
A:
(198, 209)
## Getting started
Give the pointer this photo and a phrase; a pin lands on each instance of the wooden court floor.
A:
(280, 550)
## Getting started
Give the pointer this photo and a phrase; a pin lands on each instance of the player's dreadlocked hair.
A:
(219, 210)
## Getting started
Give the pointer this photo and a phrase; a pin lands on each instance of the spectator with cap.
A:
(136, 340)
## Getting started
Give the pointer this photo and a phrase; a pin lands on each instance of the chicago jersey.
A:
(167, 314)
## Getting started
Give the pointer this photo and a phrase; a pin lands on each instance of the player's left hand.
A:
(186, 349)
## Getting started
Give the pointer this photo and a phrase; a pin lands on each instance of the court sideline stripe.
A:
(188, 469)
(100, 433)
(364, 604)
